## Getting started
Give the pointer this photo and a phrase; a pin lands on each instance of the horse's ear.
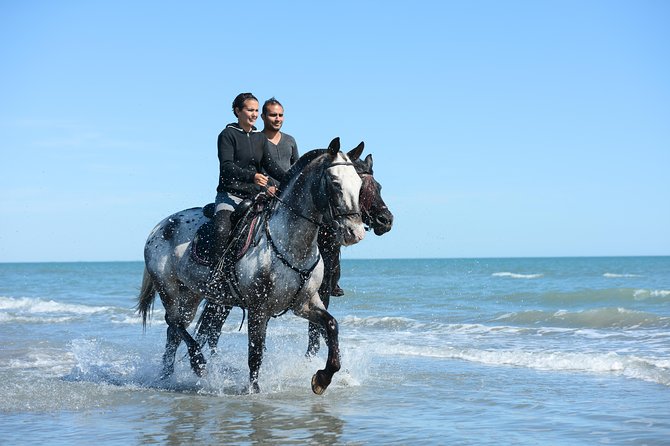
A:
(355, 153)
(368, 163)
(334, 146)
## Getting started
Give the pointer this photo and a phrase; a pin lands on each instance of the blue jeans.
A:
(226, 201)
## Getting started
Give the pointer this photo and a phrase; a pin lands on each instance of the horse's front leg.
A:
(318, 314)
(313, 340)
(257, 325)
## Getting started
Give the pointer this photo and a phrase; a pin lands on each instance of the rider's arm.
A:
(230, 171)
(294, 151)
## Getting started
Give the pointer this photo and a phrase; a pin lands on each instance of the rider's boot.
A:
(221, 222)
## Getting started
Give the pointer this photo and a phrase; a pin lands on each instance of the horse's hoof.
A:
(200, 369)
(198, 364)
(166, 373)
(320, 382)
(254, 388)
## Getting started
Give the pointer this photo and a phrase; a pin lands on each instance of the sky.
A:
(497, 128)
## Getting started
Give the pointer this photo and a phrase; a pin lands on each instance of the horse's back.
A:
(171, 238)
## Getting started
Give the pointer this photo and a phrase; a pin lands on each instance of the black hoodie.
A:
(241, 156)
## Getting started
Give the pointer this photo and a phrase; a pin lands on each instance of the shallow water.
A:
(490, 351)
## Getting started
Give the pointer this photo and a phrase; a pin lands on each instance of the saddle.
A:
(244, 228)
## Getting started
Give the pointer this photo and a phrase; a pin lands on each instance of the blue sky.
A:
(498, 129)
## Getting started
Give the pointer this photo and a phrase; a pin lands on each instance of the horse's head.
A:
(342, 186)
(376, 214)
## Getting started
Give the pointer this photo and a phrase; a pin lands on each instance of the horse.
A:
(281, 270)
(376, 217)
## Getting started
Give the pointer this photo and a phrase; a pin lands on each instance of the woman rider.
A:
(243, 156)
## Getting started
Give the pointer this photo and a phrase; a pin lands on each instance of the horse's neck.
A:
(294, 236)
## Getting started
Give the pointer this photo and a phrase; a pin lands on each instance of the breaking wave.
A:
(594, 318)
(38, 311)
(647, 369)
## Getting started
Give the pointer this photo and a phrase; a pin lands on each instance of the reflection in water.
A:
(247, 419)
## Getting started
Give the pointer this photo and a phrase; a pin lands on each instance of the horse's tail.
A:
(145, 301)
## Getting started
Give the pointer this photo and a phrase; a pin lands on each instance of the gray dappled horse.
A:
(376, 216)
(281, 270)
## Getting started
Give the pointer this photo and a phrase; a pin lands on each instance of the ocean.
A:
(542, 351)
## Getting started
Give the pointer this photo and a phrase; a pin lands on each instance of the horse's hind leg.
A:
(171, 345)
(175, 334)
(195, 355)
(258, 325)
(209, 327)
(180, 307)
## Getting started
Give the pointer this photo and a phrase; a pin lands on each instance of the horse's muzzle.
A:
(349, 229)
(382, 222)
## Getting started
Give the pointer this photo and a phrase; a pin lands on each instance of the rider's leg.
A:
(225, 205)
(330, 252)
(335, 286)
(221, 232)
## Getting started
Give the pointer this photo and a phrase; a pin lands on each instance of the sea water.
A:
(555, 351)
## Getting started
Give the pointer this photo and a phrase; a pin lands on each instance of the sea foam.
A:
(646, 294)
(35, 305)
(517, 276)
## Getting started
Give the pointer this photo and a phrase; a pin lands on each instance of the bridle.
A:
(332, 215)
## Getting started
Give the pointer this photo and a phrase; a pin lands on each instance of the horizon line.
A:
(369, 259)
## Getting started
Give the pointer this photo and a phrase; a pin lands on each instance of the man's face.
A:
(249, 113)
(274, 117)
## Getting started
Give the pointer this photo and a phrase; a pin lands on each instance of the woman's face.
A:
(247, 116)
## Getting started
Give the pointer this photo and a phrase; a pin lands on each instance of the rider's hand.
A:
(260, 179)
(272, 190)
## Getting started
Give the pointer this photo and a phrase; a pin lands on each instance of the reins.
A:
(290, 208)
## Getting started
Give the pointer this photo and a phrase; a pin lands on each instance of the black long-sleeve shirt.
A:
(241, 156)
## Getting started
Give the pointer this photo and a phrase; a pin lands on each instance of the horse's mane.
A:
(302, 162)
